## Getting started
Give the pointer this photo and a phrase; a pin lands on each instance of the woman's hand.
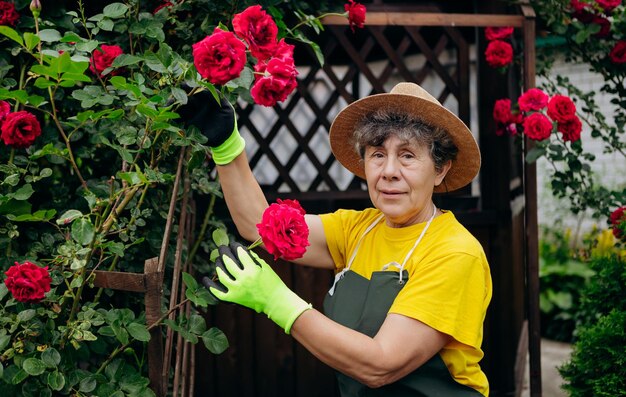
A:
(217, 122)
(248, 280)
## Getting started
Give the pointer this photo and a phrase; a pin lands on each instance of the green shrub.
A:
(563, 275)
(598, 363)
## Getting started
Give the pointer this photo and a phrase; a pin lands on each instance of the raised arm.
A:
(244, 197)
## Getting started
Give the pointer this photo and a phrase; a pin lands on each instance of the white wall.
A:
(609, 168)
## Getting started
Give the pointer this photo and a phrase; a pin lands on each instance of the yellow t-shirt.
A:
(449, 286)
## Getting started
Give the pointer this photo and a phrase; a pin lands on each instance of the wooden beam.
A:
(432, 19)
(123, 281)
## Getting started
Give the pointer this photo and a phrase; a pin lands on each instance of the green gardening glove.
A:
(248, 280)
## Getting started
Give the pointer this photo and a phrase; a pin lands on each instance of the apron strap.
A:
(339, 275)
(408, 255)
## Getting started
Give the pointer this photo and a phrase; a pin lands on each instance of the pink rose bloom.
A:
(8, 14)
(570, 129)
(499, 54)
(28, 282)
(605, 26)
(283, 230)
(276, 83)
(533, 99)
(561, 108)
(608, 5)
(258, 29)
(103, 57)
(219, 57)
(20, 129)
(5, 109)
(537, 127)
(618, 53)
(618, 222)
(498, 33)
(356, 14)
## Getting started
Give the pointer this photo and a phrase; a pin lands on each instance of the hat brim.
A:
(464, 168)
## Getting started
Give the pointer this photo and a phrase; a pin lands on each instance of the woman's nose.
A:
(391, 168)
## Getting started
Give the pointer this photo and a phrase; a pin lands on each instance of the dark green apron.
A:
(362, 305)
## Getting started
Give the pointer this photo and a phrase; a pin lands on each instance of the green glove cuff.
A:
(285, 307)
(231, 148)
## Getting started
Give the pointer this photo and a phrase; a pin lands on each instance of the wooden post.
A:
(151, 284)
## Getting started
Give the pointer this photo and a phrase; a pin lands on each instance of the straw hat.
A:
(412, 99)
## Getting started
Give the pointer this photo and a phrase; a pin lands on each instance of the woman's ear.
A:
(442, 172)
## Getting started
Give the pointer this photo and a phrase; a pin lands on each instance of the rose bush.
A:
(99, 172)
(593, 33)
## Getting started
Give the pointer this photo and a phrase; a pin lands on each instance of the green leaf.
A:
(535, 153)
(56, 380)
(87, 384)
(138, 331)
(51, 357)
(68, 217)
(4, 341)
(12, 34)
(34, 366)
(83, 231)
(115, 10)
(106, 24)
(190, 281)
(18, 377)
(197, 324)
(220, 237)
(125, 60)
(43, 83)
(30, 40)
(23, 193)
(50, 35)
(215, 340)
(26, 315)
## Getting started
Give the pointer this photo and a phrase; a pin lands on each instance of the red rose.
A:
(283, 50)
(533, 99)
(499, 53)
(498, 33)
(166, 4)
(102, 58)
(8, 15)
(608, 5)
(258, 29)
(618, 53)
(570, 129)
(502, 111)
(356, 14)
(5, 109)
(537, 127)
(219, 57)
(278, 81)
(577, 5)
(284, 230)
(28, 282)
(20, 129)
(618, 222)
(561, 108)
(605, 26)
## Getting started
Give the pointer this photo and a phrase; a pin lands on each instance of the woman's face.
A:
(400, 179)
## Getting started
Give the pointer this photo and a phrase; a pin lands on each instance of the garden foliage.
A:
(98, 171)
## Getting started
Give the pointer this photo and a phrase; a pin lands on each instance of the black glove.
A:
(215, 120)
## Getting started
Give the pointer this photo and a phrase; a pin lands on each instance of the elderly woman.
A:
(405, 314)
